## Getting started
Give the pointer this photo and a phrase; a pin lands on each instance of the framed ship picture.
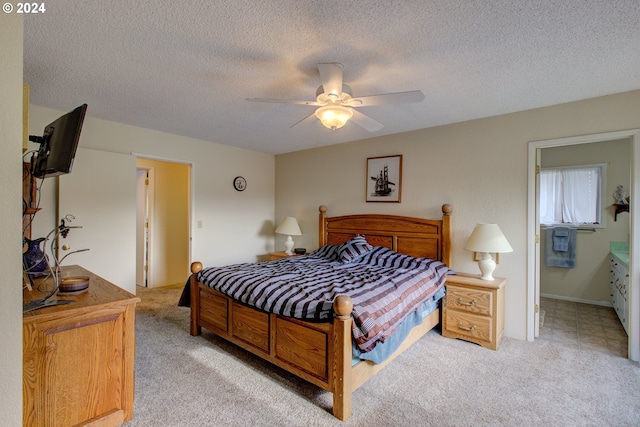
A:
(384, 179)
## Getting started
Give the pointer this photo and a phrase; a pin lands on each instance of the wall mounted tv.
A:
(58, 144)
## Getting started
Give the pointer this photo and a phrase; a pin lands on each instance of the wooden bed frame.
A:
(321, 353)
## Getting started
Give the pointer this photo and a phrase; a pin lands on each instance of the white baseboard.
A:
(583, 301)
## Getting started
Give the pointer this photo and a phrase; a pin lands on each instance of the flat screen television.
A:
(58, 144)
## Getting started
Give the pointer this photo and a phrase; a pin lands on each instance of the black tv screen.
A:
(58, 144)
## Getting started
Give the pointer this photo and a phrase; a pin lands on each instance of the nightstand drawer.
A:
(470, 300)
(469, 325)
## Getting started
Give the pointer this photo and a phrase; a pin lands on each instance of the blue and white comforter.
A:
(385, 287)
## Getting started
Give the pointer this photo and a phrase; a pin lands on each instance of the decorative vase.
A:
(34, 259)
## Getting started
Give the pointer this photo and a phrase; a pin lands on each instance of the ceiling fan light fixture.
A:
(334, 116)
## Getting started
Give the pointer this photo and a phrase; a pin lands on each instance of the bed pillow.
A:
(353, 249)
(329, 252)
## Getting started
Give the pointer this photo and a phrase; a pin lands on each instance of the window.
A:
(571, 195)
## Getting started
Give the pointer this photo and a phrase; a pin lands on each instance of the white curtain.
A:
(550, 196)
(570, 195)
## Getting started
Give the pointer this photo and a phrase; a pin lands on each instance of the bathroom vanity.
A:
(619, 280)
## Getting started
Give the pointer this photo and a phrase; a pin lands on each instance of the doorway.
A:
(163, 222)
(575, 290)
(533, 227)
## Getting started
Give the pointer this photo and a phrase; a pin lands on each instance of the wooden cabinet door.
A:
(76, 368)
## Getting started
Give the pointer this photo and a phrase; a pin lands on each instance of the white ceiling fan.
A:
(336, 102)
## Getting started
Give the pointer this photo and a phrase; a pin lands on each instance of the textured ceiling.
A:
(185, 67)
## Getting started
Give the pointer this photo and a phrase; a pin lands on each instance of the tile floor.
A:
(582, 326)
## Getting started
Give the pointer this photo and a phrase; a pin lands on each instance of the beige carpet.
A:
(204, 381)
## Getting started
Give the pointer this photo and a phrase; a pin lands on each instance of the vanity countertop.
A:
(620, 251)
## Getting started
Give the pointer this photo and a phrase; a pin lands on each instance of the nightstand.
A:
(473, 309)
(279, 255)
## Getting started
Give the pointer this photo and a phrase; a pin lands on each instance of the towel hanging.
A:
(565, 255)
(560, 239)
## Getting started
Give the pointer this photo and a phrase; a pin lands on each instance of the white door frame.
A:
(142, 219)
(533, 231)
(148, 235)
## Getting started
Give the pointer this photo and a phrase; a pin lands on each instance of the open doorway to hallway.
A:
(163, 222)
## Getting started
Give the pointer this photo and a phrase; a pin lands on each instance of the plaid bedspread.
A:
(385, 288)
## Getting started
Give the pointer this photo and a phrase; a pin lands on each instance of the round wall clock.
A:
(239, 183)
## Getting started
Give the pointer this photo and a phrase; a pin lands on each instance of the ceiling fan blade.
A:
(331, 77)
(365, 122)
(388, 98)
(308, 118)
(285, 101)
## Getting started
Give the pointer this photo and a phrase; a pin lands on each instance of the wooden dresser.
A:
(78, 358)
(473, 309)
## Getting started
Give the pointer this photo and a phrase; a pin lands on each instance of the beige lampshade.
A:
(289, 226)
(488, 238)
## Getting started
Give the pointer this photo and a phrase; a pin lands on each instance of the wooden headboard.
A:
(430, 238)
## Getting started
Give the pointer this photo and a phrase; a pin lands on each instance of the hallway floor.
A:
(582, 326)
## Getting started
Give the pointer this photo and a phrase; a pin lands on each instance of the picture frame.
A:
(384, 179)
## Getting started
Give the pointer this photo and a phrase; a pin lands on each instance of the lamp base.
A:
(487, 266)
(288, 244)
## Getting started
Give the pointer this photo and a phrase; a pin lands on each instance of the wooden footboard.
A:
(316, 352)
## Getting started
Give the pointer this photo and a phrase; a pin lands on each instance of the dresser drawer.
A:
(469, 325)
(470, 300)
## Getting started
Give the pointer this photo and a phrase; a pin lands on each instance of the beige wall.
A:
(233, 223)
(589, 280)
(10, 226)
(480, 167)
(169, 231)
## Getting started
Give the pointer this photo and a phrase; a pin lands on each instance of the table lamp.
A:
(487, 239)
(290, 227)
